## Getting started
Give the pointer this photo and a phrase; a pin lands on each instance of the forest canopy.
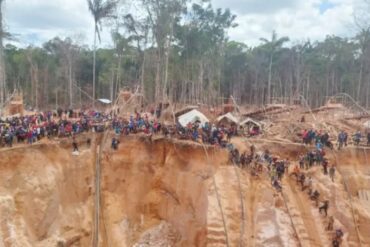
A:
(180, 50)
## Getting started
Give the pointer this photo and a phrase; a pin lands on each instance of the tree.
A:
(362, 26)
(139, 32)
(179, 50)
(2, 68)
(66, 52)
(202, 41)
(100, 10)
(235, 62)
(162, 16)
(272, 46)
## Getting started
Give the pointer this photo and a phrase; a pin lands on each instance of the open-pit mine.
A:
(162, 191)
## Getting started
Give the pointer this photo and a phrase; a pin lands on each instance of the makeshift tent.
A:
(250, 121)
(185, 110)
(105, 101)
(227, 119)
(251, 126)
(192, 117)
(367, 124)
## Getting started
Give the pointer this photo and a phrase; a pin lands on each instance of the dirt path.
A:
(233, 208)
(252, 199)
(239, 176)
(354, 234)
(302, 216)
(216, 219)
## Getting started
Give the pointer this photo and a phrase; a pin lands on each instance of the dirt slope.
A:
(45, 196)
(172, 193)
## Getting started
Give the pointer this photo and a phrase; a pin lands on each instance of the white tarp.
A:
(229, 117)
(191, 117)
(249, 120)
(105, 101)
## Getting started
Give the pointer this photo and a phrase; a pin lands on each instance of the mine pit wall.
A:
(352, 176)
(145, 183)
(45, 196)
(161, 187)
(355, 167)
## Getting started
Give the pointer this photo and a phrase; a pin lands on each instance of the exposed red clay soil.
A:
(174, 193)
(45, 196)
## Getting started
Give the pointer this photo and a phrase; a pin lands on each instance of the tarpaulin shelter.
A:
(367, 124)
(227, 119)
(192, 117)
(250, 121)
(105, 101)
(185, 110)
(251, 126)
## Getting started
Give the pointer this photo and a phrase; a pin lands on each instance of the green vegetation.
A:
(183, 54)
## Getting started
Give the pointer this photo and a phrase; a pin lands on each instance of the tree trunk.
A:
(112, 85)
(46, 85)
(327, 85)
(269, 80)
(37, 86)
(367, 93)
(332, 84)
(298, 75)
(94, 64)
(158, 77)
(360, 81)
(165, 95)
(308, 87)
(256, 99)
(70, 82)
(143, 75)
(2, 63)
(32, 86)
(56, 99)
(200, 78)
(118, 78)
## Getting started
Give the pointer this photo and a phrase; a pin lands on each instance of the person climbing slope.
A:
(307, 184)
(325, 166)
(315, 197)
(332, 172)
(330, 226)
(301, 162)
(324, 207)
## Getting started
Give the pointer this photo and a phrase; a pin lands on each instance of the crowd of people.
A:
(206, 133)
(276, 168)
(322, 139)
(318, 137)
(356, 137)
(32, 128)
(66, 123)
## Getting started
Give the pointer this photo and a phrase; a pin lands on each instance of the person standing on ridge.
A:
(74, 144)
